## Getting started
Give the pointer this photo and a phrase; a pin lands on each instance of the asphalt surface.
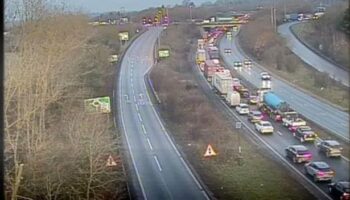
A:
(310, 57)
(160, 170)
(325, 115)
(278, 141)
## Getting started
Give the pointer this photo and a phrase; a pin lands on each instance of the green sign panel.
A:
(98, 105)
(163, 53)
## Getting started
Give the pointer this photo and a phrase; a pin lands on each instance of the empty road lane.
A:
(159, 168)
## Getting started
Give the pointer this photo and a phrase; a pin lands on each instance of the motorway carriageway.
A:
(310, 57)
(278, 141)
(323, 114)
(160, 171)
(281, 137)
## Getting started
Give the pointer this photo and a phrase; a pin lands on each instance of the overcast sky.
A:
(116, 5)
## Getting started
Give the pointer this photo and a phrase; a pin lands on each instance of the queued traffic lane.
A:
(311, 58)
(279, 141)
(160, 170)
(323, 114)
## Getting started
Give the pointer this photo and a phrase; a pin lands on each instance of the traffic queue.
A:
(267, 105)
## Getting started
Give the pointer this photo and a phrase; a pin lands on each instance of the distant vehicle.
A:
(265, 76)
(253, 99)
(264, 127)
(298, 153)
(200, 56)
(301, 128)
(304, 135)
(320, 171)
(237, 64)
(294, 122)
(330, 148)
(242, 108)
(340, 190)
(213, 52)
(236, 81)
(227, 51)
(255, 116)
(233, 98)
(242, 90)
(247, 63)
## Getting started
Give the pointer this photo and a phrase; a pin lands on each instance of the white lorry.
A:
(222, 82)
(233, 98)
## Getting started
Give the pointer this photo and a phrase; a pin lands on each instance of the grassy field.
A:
(194, 123)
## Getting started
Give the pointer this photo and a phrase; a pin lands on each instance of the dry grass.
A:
(62, 148)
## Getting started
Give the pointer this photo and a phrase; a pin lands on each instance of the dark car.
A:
(247, 63)
(330, 148)
(298, 153)
(237, 64)
(305, 135)
(340, 190)
(227, 51)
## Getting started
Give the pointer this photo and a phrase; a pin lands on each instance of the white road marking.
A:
(128, 143)
(139, 117)
(134, 98)
(144, 129)
(279, 133)
(156, 159)
(137, 107)
(149, 144)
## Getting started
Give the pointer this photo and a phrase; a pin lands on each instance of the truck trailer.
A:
(200, 44)
(222, 81)
(210, 67)
(233, 98)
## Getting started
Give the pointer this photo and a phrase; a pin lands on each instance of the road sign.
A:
(98, 105)
(110, 162)
(238, 125)
(124, 36)
(209, 152)
(163, 53)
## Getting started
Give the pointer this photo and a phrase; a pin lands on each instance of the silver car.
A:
(320, 171)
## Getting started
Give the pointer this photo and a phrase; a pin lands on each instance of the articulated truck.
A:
(274, 106)
(210, 67)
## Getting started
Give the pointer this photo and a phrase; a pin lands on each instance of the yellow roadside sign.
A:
(210, 151)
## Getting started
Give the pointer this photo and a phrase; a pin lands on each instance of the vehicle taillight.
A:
(320, 174)
(345, 196)
(309, 155)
